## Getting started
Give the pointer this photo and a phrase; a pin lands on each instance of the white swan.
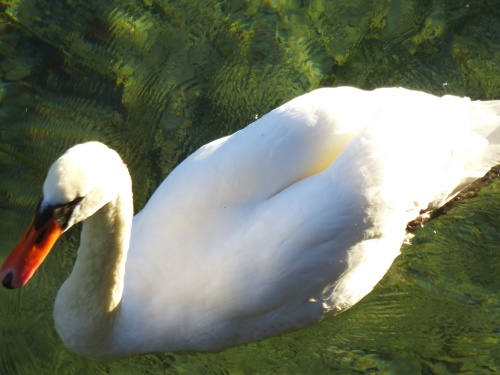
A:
(294, 218)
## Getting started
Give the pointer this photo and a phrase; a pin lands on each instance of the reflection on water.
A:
(156, 79)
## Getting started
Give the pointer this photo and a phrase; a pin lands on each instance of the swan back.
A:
(299, 214)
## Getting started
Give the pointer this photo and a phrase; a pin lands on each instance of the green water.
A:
(157, 79)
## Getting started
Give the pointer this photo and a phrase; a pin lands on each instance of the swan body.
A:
(294, 218)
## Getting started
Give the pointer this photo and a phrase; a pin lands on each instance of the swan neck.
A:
(89, 300)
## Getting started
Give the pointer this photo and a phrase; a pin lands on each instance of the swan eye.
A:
(58, 212)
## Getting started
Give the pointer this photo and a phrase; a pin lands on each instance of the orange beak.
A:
(29, 253)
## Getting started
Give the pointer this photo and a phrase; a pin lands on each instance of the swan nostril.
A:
(7, 280)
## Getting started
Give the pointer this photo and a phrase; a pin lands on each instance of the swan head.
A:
(82, 180)
(78, 184)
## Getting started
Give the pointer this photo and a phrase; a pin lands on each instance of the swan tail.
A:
(486, 122)
(486, 119)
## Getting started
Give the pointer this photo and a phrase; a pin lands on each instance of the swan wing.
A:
(299, 214)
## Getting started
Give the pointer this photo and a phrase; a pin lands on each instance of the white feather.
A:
(294, 218)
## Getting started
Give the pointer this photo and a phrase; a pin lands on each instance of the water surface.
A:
(157, 79)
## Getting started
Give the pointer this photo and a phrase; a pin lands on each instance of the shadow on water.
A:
(156, 79)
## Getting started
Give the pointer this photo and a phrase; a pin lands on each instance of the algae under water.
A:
(157, 79)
